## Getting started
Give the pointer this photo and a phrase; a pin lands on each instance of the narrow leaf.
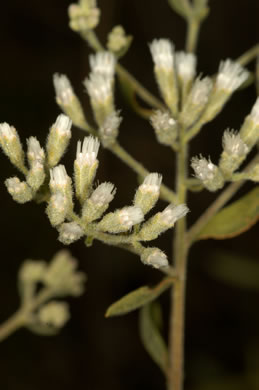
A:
(234, 219)
(135, 299)
(152, 339)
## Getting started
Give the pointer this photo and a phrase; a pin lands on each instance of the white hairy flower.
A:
(63, 89)
(172, 213)
(151, 184)
(162, 51)
(103, 194)
(255, 112)
(54, 314)
(99, 87)
(186, 65)
(200, 91)
(103, 63)
(7, 132)
(204, 169)
(35, 152)
(86, 154)
(154, 257)
(70, 232)
(233, 144)
(162, 121)
(230, 76)
(109, 129)
(59, 178)
(63, 125)
(130, 216)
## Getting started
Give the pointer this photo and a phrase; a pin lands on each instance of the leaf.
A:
(152, 339)
(135, 299)
(236, 270)
(234, 219)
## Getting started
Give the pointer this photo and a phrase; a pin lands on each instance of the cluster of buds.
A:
(100, 85)
(57, 279)
(191, 99)
(39, 161)
(118, 42)
(84, 16)
(236, 146)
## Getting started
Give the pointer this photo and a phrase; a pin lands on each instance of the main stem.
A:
(180, 251)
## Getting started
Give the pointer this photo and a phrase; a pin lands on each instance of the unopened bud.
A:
(154, 257)
(85, 166)
(162, 221)
(165, 127)
(70, 232)
(54, 314)
(121, 220)
(58, 139)
(118, 41)
(207, 173)
(20, 191)
(148, 193)
(97, 204)
(11, 145)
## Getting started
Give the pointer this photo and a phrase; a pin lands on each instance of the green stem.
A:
(180, 251)
(248, 56)
(192, 34)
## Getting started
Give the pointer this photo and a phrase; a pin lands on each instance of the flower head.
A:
(103, 63)
(233, 144)
(162, 51)
(230, 75)
(86, 153)
(186, 65)
(63, 89)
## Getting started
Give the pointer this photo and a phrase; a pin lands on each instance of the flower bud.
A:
(118, 41)
(58, 139)
(186, 70)
(70, 232)
(85, 166)
(234, 152)
(148, 193)
(165, 126)
(11, 145)
(20, 191)
(162, 51)
(162, 221)
(207, 173)
(154, 257)
(97, 204)
(121, 220)
(54, 314)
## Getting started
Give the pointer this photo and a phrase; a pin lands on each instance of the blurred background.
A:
(222, 316)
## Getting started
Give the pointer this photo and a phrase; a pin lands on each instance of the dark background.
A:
(92, 352)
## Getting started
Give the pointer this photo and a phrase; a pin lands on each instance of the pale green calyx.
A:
(62, 276)
(58, 139)
(249, 131)
(19, 190)
(11, 145)
(231, 76)
(207, 173)
(165, 127)
(118, 41)
(110, 128)
(99, 201)
(234, 152)
(121, 220)
(154, 257)
(196, 101)
(70, 232)
(162, 51)
(54, 314)
(85, 166)
(148, 193)
(84, 16)
(162, 221)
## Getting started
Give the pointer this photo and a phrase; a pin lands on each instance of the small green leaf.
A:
(233, 269)
(135, 299)
(152, 339)
(234, 219)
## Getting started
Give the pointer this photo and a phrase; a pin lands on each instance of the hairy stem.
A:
(176, 327)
